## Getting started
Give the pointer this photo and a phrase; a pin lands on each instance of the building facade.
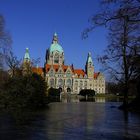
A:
(66, 77)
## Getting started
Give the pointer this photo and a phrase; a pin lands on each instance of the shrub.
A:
(24, 92)
(87, 92)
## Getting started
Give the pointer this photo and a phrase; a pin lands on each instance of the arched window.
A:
(51, 73)
(76, 83)
(51, 82)
(60, 82)
(85, 84)
(68, 82)
(81, 83)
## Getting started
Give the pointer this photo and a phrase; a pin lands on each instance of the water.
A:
(71, 121)
(75, 98)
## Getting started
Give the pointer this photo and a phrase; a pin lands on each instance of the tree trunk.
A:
(125, 41)
(125, 103)
(125, 100)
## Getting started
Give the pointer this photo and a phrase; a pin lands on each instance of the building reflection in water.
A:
(73, 121)
(77, 98)
(65, 98)
(100, 99)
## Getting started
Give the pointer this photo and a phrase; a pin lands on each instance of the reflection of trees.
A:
(17, 124)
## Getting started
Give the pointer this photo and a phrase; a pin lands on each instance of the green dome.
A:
(55, 47)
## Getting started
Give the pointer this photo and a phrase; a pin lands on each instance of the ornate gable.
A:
(68, 72)
(60, 70)
(51, 71)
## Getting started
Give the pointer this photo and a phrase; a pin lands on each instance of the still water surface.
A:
(71, 121)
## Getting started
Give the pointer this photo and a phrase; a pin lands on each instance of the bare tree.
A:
(122, 18)
(13, 63)
(5, 41)
(35, 62)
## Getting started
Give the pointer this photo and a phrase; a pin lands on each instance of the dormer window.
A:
(68, 74)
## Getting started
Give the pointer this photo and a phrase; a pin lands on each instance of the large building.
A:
(65, 77)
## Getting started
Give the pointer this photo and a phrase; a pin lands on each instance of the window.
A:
(81, 83)
(56, 58)
(51, 82)
(76, 83)
(76, 88)
(68, 82)
(68, 74)
(60, 82)
(51, 73)
(85, 84)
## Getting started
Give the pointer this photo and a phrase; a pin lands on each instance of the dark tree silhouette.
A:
(13, 63)
(5, 41)
(122, 19)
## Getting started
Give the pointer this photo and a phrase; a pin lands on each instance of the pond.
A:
(71, 121)
(78, 98)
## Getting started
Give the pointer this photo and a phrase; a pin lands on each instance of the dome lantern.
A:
(55, 46)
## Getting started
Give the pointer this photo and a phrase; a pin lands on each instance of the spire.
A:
(89, 59)
(27, 56)
(55, 38)
(89, 66)
(55, 34)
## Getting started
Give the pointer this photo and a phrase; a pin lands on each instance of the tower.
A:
(26, 66)
(55, 54)
(89, 66)
(27, 56)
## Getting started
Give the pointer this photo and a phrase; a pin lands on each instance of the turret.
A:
(27, 56)
(89, 66)
(55, 39)
(26, 66)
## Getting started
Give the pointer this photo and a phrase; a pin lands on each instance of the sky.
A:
(32, 24)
